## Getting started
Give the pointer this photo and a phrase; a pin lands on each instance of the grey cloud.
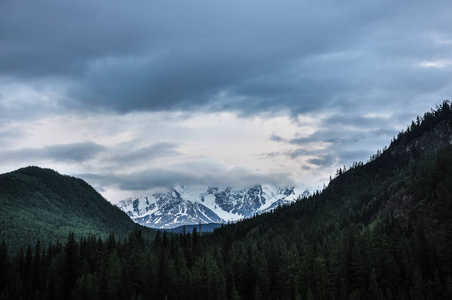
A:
(321, 159)
(276, 138)
(234, 56)
(60, 39)
(292, 154)
(304, 140)
(355, 121)
(77, 152)
(296, 153)
(348, 129)
(325, 161)
(340, 135)
(10, 135)
(158, 150)
(270, 154)
(353, 139)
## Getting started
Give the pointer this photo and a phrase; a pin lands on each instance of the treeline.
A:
(359, 263)
(172, 268)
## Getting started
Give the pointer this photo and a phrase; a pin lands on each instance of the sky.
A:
(143, 95)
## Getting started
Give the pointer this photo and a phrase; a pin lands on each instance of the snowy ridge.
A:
(191, 205)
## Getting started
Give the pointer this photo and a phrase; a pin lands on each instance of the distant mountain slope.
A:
(191, 205)
(42, 204)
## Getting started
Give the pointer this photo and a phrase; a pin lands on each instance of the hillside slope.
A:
(410, 181)
(42, 204)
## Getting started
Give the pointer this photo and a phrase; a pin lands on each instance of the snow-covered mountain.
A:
(189, 205)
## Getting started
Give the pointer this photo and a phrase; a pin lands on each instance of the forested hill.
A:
(408, 183)
(41, 204)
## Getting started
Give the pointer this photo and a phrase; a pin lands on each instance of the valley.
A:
(378, 230)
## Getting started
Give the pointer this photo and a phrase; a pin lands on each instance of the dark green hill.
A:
(42, 204)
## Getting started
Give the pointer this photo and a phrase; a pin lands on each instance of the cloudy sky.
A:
(135, 96)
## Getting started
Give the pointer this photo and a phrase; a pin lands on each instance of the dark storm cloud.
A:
(77, 152)
(247, 57)
(55, 38)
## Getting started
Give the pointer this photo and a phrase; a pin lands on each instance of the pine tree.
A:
(85, 288)
(309, 295)
(5, 274)
(375, 292)
(69, 271)
(114, 278)
(37, 269)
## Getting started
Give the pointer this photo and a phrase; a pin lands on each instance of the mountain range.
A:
(192, 205)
